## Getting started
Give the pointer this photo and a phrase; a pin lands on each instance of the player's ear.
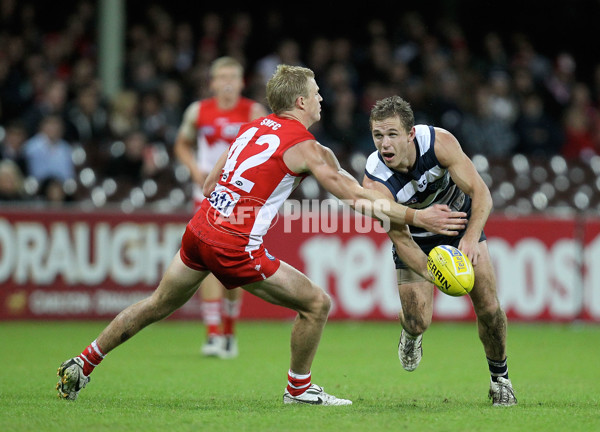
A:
(412, 133)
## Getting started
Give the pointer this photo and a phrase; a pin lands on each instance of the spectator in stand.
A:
(45, 64)
(523, 84)
(13, 98)
(210, 39)
(484, 133)
(342, 53)
(87, 118)
(410, 33)
(595, 98)
(400, 77)
(287, 52)
(11, 181)
(538, 135)
(595, 86)
(320, 55)
(581, 122)
(377, 66)
(495, 56)
(139, 49)
(184, 47)
(152, 119)
(345, 125)
(83, 76)
(52, 191)
(238, 36)
(526, 56)
(446, 105)
(144, 77)
(52, 103)
(47, 154)
(123, 115)
(171, 109)
(502, 101)
(559, 84)
(11, 146)
(135, 163)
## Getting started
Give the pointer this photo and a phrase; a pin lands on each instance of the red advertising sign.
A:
(80, 265)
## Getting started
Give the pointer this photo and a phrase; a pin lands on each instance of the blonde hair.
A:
(11, 175)
(286, 85)
(225, 61)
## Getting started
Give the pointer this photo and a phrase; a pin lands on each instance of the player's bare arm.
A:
(310, 156)
(438, 218)
(185, 143)
(409, 251)
(406, 248)
(466, 177)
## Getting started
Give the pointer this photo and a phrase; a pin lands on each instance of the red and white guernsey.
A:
(217, 128)
(254, 184)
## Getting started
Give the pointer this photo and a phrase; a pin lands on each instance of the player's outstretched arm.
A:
(310, 156)
(441, 219)
(438, 218)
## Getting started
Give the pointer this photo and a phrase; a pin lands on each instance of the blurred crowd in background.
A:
(62, 140)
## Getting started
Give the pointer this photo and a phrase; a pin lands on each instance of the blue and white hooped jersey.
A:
(426, 184)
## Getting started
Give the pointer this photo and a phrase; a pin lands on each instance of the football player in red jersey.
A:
(206, 131)
(270, 156)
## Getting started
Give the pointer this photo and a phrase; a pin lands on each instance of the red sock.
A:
(231, 312)
(91, 356)
(297, 384)
(228, 326)
(213, 330)
(211, 309)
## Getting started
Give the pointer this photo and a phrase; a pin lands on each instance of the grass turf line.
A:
(158, 381)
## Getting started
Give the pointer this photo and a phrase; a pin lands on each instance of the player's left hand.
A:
(440, 219)
(470, 248)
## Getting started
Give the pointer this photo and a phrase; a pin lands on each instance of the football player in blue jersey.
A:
(421, 166)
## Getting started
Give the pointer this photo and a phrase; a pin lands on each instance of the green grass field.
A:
(158, 382)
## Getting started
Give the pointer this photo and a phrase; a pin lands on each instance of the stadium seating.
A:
(519, 185)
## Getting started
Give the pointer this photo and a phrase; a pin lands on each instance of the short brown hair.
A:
(393, 106)
(286, 85)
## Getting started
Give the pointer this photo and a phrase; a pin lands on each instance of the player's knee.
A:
(492, 314)
(415, 324)
(324, 303)
(161, 306)
(320, 304)
(487, 306)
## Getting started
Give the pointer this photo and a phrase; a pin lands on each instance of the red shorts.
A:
(232, 267)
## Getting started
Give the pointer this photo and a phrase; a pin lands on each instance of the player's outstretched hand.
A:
(440, 219)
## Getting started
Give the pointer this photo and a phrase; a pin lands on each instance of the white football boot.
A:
(501, 393)
(230, 348)
(314, 395)
(213, 347)
(410, 351)
(71, 379)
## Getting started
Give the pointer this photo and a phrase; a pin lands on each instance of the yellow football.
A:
(451, 270)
